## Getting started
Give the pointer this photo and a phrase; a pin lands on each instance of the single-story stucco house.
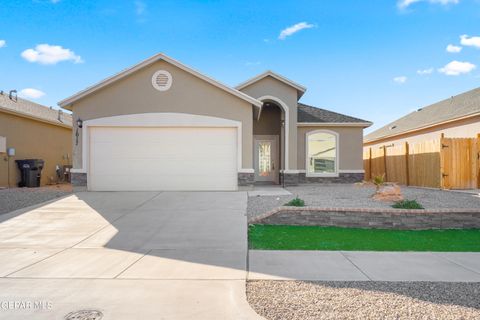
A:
(161, 125)
(32, 131)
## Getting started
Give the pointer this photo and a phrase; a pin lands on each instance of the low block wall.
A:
(372, 218)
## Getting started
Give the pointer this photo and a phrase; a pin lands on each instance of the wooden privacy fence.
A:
(449, 163)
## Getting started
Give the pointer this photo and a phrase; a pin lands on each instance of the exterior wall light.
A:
(79, 123)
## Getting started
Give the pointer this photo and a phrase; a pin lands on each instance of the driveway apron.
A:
(128, 255)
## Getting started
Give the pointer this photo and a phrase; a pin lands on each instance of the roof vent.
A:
(392, 127)
(12, 95)
(162, 80)
(419, 109)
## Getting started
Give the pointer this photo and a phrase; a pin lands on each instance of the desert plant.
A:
(407, 204)
(379, 181)
(296, 202)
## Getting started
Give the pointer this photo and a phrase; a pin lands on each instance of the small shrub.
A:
(297, 202)
(407, 204)
(378, 181)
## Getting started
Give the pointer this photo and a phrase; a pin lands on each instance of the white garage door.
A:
(141, 158)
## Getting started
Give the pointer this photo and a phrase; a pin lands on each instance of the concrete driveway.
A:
(136, 255)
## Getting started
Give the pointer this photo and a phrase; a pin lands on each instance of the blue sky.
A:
(356, 57)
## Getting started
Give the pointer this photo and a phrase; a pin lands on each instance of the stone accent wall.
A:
(79, 179)
(377, 218)
(342, 178)
(246, 179)
(291, 179)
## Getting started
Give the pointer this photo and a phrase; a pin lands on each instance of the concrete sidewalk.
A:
(364, 266)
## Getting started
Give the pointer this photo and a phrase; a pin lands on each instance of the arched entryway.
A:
(269, 141)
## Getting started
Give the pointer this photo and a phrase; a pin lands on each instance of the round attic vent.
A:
(162, 80)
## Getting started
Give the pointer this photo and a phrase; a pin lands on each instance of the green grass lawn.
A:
(274, 237)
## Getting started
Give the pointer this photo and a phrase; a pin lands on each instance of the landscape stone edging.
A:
(372, 217)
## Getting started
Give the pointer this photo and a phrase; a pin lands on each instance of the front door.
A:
(266, 158)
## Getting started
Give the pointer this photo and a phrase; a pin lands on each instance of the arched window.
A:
(322, 153)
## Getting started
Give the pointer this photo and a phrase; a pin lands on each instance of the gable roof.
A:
(35, 111)
(66, 103)
(466, 104)
(300, 89)
(312, 115)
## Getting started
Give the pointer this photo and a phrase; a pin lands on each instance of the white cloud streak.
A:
(294, 29)
(49, 54)
(470, 41)
(3, 43)
(453, 49)
(456, 68)
(404, 4)
(400, 79)
(425, 72)
(32, 93)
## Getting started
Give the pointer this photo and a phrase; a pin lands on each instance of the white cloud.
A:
(32, 93)
(470, 41)
(425, 71)
(47, 54)
(403, 4)
(453, 49)
(294, 29)
(3, 43)
(400, 79)
(456, 68)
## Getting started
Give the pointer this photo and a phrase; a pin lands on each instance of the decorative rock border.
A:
(375, 218)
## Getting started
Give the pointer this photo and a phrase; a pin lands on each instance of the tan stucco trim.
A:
(66, 103)
(28, 116)
(334, 124)
(301, 89)
(421, 128)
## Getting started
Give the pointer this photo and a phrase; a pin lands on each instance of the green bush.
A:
(407, 204)
(297, 202)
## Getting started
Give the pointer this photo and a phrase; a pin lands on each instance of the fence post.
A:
(385, 161)
(370, 163)
(478, 160)
(407, 152)
(442, 162)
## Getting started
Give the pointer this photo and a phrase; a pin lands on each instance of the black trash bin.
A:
(30, 172)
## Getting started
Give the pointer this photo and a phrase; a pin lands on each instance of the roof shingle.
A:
(34, 110)
(312, 114)
(458, 106)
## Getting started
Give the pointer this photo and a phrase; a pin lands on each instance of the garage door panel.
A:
(137, 158)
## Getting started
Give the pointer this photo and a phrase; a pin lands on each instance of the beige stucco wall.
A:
(466, 128)
(188, 94)
(33, 140)
(350, 146)
(288, 95)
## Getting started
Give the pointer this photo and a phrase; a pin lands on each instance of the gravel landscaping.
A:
(355, 196)
(364, 300)
(17, 198)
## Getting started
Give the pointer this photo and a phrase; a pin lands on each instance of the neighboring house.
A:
(455, 117)
(161, 125)
(34, 132)
(437, 146)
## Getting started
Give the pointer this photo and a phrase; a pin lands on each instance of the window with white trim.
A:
(321, 149)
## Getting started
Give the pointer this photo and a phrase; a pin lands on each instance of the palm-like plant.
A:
(379, 181)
